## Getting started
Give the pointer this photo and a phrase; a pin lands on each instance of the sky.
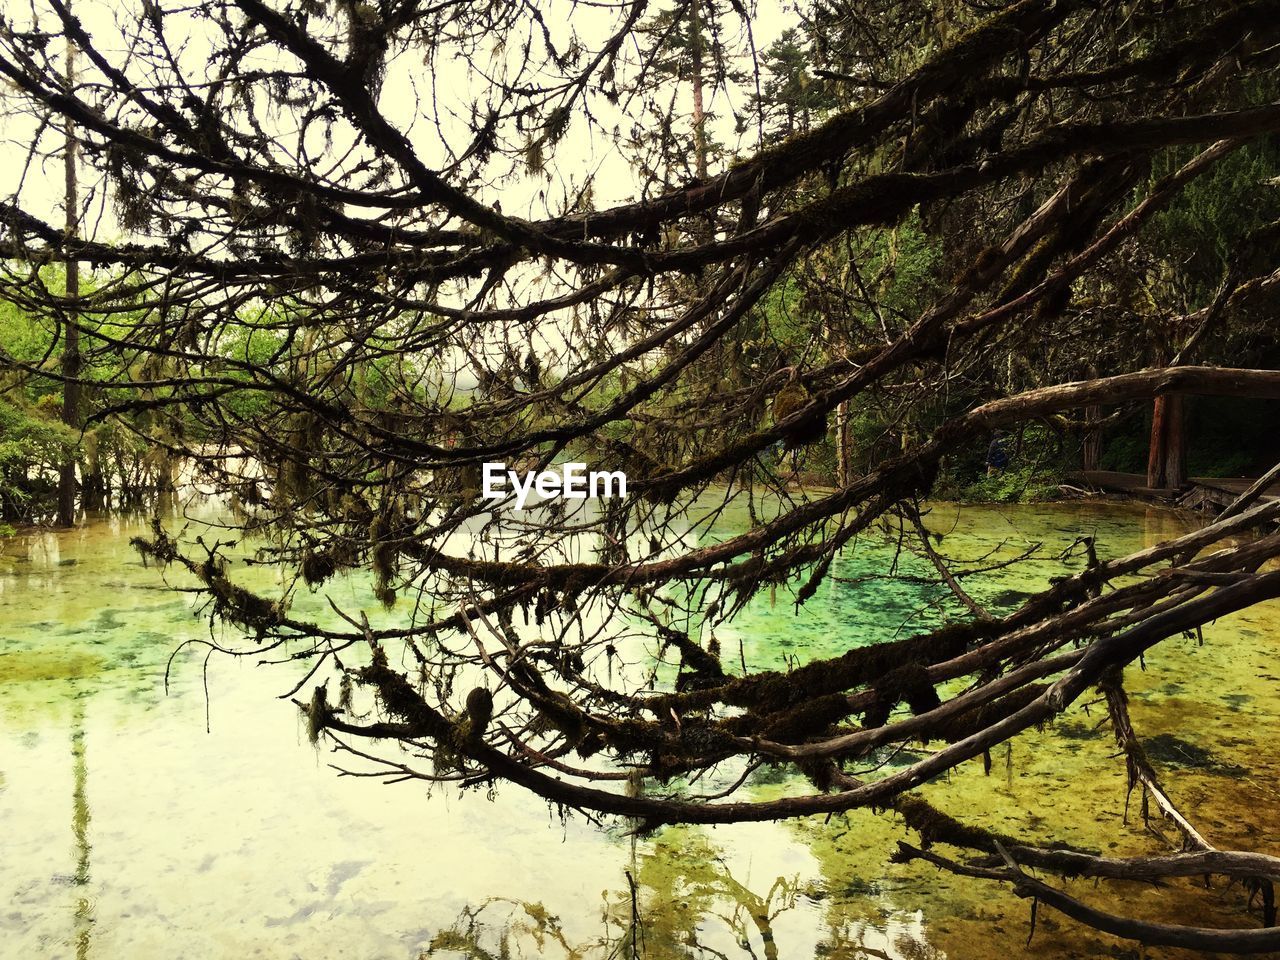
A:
(424, 100)
(413, 96)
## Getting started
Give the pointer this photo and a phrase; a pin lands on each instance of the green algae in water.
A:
(1178, 752)
(30, 666)
(199, 842)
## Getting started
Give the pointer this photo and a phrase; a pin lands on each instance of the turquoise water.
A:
(149, 820)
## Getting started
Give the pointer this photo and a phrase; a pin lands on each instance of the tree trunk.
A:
(1175, 442)
(71, 334)
(1167, 457)
(1155, 452)
(699, 112)
(1092, 438)
(843, 454)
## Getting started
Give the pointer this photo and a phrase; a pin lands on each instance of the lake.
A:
(197, 821)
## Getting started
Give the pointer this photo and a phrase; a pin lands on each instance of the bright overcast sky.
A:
(412, 95)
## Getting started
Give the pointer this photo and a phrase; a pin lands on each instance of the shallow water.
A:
(141, 823)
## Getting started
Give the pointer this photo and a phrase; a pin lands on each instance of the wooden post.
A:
(1156, 450)
(1167, 457)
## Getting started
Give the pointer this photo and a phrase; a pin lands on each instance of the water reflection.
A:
(242, 842)
(1159, 525)
(80, 818)
(685, 899)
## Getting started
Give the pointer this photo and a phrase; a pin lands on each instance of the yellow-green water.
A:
(129, 832)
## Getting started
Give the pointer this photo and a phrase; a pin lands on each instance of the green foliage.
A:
(1207, 227)
(33, 441)
(1038, 459)
(1226, 437)
(32, 444)
(681, 38)
(253, 343)
(1127, 452)
(908, 261)
(1025, 483)
(791, 97)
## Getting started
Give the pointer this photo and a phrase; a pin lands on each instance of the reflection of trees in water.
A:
(1159, 525)
(484, 932)
(689, 900)
(864, 914)
(684, 903)
(80, 818)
